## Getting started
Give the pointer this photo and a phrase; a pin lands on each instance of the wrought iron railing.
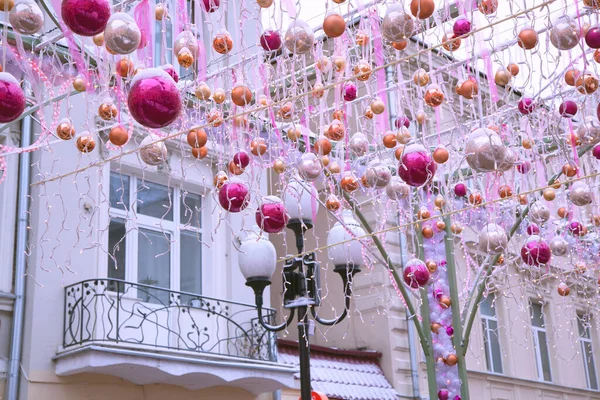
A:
(112, 310)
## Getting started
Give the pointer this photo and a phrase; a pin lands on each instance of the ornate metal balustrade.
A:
(112, 310)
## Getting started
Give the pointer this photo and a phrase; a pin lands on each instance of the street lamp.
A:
(301, 275)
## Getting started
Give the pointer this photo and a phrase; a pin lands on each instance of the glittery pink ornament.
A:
(402, 121)
(460, 190)
(211, 5)
(592, 38)
(85, 17)
(154, 100)
(271, 216)
(169, 69)
(596, 151)
(416, 274)
(438, 293)
(524, 167)
(12, 98)
(536, 251)
(461, 27)
(450, 330)
(568, 109)
(526, 105)
(241, 159)
(270, 40)
(533, 229)
(234, 195)
(349, 91)
(443, 394)
(416, 165)
(576, 228)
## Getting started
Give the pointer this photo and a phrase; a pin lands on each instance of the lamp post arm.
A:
(258, 293)
(347, 294)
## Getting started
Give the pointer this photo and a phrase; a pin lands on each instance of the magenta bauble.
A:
(567, 109)
(270, 40)
(271, 216)
(169, 69)
(576, 228)
(402, 121)
(592, 38)
(349, 91)
(12, 98)
(154, 100)
(523, 167)
(443, 394)
(460, 190)
(596, 151)
(241, 159)
(416, 274)
(526, 105)
(234, 195)
(85, 17)
(449, 330)
(533, 229)
(416, 165)
(461, 27)
(211, 5)
(536, 251)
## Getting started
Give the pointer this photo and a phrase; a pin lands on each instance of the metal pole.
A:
(304, 350)
(16, 340)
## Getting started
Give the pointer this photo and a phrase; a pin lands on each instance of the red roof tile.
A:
(342, 374)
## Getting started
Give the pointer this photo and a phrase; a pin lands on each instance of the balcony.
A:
(169, 337)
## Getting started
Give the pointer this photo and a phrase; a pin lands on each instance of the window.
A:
(540, 342)
(154, 237)
(491, 341)
(585, 338)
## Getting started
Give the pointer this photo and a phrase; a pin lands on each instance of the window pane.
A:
(116, 251)
(486, 345)
(154, 200)
(495, 347)
(584, 326)
(154, 265)
(119, 191)
(190, 264)
(544, 355)
(537, 316)
(588, 354)
(487, 306)
(190, 210)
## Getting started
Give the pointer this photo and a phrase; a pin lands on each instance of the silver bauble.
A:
(565, 33)
(539, 213)
(485, 150)
(397, 189)
(397, 24)
(26, 17)
(151, 151)
(492, 239)
(510, 159)
(377, 175)
(186, 39)
(589, 130)
(580, 194)
(299, 38)
(359, 145)
(122, 35)
(559, 246)
(310, 167)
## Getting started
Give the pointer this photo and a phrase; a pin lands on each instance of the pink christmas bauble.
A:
(270, 40)
(154, 100)
(461, 27)
(349, 91)
(241, 159)
(567, 109)
(416, 165)
(523, 167)
(596, 151)
(443, 394)
(536, 251)
(526, 105)
(576, 228)
(416, 274)
(402, 121)
(85, 17)
(533, 229)
(460, 190)
(592, 38)
(169, 69)
(211, 5)
(12, 98)
(234, 195)
(271, 216)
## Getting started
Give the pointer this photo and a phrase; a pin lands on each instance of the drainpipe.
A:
(12, 383)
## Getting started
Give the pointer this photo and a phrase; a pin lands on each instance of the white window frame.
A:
(162, 226)
(487, 332)
(582, 341)
(536, 344)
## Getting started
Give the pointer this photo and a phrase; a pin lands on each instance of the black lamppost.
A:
(301, 275)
